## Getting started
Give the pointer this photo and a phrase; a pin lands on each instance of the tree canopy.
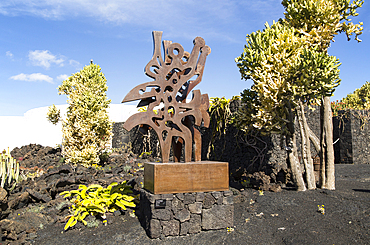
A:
(284, 70)
(359, 99)
(290, 67)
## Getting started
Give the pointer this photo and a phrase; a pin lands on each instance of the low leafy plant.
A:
(98, 201)
(9, 171)
(247, 183)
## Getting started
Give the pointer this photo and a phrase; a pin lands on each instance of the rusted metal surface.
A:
(205, 176)
(168, 112)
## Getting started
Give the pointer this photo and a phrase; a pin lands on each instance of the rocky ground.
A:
(34, 212)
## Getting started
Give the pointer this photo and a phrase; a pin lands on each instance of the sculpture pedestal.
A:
(181, 214)
(205, 176)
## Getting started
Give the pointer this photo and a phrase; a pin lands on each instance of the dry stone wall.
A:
(256, 153)
(352, 133)
(164, 215)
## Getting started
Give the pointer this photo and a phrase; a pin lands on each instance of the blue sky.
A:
(42, 42)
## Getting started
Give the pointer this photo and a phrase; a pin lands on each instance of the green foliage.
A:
(287, 68)
(53, 115)
(220, 116)
(96, 200)
(359, 99)
(269, 59)
(220, 113)
(87, 129)
(320, 20)
(316, 74)
(243, 118)
(290, 67)
(9, 171)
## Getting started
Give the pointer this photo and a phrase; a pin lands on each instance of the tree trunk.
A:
(327, 173)
(315, 140)
(306, 147)
(294, 164)
(292, 154)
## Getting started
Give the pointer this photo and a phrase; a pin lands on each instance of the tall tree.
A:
(283, 70)
(319, 21)
(290, 67)
(87, 128)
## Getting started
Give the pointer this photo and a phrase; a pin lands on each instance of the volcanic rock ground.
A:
(34, 213)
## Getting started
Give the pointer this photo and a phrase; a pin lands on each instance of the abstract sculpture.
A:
(168, 112)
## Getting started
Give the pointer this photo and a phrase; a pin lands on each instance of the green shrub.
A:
(359, 99)
(96, 200)
(9, 171)
(87, 129)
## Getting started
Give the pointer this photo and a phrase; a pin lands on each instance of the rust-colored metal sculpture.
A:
(168, 112)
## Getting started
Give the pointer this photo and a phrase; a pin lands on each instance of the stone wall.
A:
(352, 130)
(164, 215)
(256, 153)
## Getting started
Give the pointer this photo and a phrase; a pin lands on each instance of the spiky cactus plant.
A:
(9, 171)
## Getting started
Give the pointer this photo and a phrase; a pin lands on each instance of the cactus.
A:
(9, 171)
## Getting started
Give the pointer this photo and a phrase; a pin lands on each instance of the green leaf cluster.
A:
(289, 64)
(359, 99)
(96, 200)
(219, 109)
(87, 128)
(53, 115)
(315, 74)
(272, 59)
(321, 20)
(9, 171)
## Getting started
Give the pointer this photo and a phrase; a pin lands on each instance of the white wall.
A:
(33, 127)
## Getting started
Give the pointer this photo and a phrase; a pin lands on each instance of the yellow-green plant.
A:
(87, 128)
(96, 200)
(337, 106)
(286, 73)
(359, 99)
(319, 21)
(221, 116)
(219, 109)
(9, 171)
(53, 114)
(290, 67)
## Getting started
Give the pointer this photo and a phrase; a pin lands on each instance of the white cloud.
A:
(34, 77)
(9, 54)
(44, 58)
(23, 130)
(74, 63)
(183, 18)
(62, 77)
